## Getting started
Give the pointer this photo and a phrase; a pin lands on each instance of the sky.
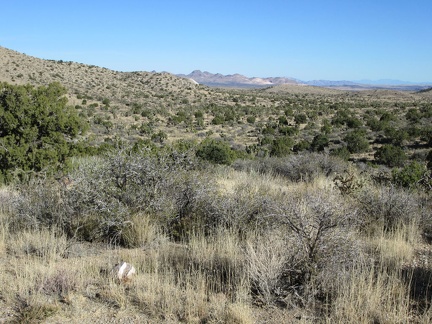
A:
(303, 39)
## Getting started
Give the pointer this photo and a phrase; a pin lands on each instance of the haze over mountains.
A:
(241, 81)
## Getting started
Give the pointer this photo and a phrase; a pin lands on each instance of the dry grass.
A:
(396, 247)
(218, 276)
(372, 296)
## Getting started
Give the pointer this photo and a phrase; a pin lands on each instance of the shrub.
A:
(214, 151)
(37, 129)
(341, 152)
(319, 143)
(251, 119)
(218, 120)
(300, 118)
(374, 124)
(396, 136)
(326, 127)
(386, 207)
(319, 226)
(299, 167)
(353, 122)
(107, 191)
(410, 175)
(303, 145)
(356, 141)
(282, 120)
(159, 137)
(198, 114)
(288, 130)
(390, 155)
(413, 115)
(281, 146)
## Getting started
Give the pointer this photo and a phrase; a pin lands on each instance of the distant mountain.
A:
(235, 80)
(429, 89)
(241, 81)
(392, 82)
(384, 84)
(328, 83)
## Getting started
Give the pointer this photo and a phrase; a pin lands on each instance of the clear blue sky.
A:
(304, 39)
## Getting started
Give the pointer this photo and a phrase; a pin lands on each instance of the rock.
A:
(123, 271)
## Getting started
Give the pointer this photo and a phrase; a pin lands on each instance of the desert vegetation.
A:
(287, 204)
(303, 238)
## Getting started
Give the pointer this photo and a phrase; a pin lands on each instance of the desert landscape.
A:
(272, 202)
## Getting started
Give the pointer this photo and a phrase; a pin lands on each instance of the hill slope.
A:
(93, 81)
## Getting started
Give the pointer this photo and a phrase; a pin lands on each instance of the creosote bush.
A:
(300, 167)
(105, 192)
(385, 207)
(321, 227)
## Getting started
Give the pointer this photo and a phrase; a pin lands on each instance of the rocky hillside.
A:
(83, 80)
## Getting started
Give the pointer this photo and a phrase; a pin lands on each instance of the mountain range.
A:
(235, 80)
(241, 81)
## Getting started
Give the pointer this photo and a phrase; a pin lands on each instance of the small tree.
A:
(319, 143)
(281, 146)
(410, 175)
(357, 141)
(341, 152)
(37, 129)
(218, 152)
(390, 155)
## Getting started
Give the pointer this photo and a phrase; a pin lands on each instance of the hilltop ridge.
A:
(94, 81)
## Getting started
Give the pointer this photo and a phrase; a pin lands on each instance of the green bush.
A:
(413, 115)
(281, 146)
(341, 152)
(357, 141)
(37, 129)
(288, 130)
(390, 155)
(395, 136)
(217, 152)
(326, 127)
(251, 119)
(319, 143)
(282, 120)
(302, 146)
(410, 175)
(218, 120)
(300, 118)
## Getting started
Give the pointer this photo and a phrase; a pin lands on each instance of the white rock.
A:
(123, 271)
